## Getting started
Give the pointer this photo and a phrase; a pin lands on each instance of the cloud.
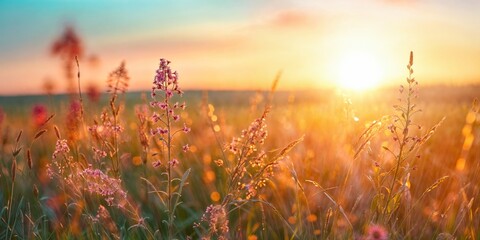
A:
(293, 19)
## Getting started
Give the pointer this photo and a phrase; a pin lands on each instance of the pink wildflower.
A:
(186, 129)
(216, 218)
(174, 162)
(156, 164)
(103, 185)
(155, 117)
(61, 147)
(39, 114)
(376, 232)
(163, 106)
(99, 154)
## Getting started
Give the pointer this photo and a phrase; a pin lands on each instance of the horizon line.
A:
(323, 88)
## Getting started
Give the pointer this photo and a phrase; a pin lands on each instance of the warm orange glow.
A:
(359, 71)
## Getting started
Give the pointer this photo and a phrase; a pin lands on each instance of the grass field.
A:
(314, 165)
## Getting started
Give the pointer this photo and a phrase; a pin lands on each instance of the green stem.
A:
(402, 145)
(169, 169)
(10, 212)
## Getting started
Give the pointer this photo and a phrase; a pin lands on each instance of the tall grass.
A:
(333, 168)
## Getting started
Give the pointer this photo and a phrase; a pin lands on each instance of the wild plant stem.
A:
(241, 160)
(79, 89)
(10, 210)
(116, 168)
(402, 145)
(397, 167)
(115, 160)
(145, 174)
(169, 170)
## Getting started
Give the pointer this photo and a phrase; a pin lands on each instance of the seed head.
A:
(411, 59)
(35, 191)
(29, 159)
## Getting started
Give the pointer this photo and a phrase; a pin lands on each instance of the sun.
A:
(359, 71)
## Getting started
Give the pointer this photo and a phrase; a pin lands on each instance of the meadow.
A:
(391, 163)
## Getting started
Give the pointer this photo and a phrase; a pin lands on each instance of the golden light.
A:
(359, 71)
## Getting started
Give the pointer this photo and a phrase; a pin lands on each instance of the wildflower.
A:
(185, 148)
(165, 84)
(156, 164)
(251, 190)
(67, 48)
(99, 154)
(162, 130)
(168, 93)
(163, 106)
(61, 147)
(106, 128)
(376, 232)
(174, 162)
(186, 129)
(117, 129)
(39, 114)
(101, 184)
(153, 131)
(165, 80)
(251, 137)
(155, 117)
(64, 168)
(216, 218)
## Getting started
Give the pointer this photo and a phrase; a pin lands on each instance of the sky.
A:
(243, 44)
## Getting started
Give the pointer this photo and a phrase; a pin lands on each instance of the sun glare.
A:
(358, 72)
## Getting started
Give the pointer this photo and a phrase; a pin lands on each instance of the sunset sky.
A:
(243, 44)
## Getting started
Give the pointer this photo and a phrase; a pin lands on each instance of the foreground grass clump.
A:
(303, 169)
